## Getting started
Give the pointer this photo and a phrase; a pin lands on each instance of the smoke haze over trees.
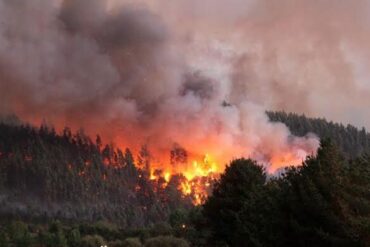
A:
(177, 90)
(69, 176)
(351, 141)
(47, 176)
(323, 203)
(130, 70)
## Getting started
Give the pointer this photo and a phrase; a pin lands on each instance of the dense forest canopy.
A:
(48, 176)
(351, 140)
(156, 131)
(325, 202)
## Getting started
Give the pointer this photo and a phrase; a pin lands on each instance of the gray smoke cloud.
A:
(160, 73)
(301, 56)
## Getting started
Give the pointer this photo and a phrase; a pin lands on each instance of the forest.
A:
(350, 140)
(66, 189)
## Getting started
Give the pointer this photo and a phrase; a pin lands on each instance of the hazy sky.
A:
(304, 56)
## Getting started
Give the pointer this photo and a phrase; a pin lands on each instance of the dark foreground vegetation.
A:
(56, 190)
(55, 234)
(326, 202)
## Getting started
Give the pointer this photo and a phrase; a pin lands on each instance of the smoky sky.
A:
(304, 56)
(158, 71)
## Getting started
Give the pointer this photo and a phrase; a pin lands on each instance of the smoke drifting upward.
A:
(198, 74)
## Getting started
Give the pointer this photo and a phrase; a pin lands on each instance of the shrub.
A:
(92, 241)
(166, 241)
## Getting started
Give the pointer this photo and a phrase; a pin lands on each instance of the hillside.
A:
(69, 176)
(351, 141)
(45, 174)
(100, 194)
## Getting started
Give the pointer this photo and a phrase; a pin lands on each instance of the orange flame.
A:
(200, 174)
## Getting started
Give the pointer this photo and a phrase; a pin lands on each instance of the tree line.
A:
(67, 190)
(46, 175)
(325, 202)
(350, 140)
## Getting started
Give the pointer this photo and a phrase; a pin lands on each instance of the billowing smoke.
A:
(297, 55)
(198, 74)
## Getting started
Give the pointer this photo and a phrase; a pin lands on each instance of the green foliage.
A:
(92, 241)
(82, 179)
(74, 238)
(102, 228)
(131, 242)
(19, 234)
(315, 201)
(45, 175)
(326, 202)
(161, 228)
(178, 218)
(14, 234)
(4, 242)
(352, 142)
(234, 212)
(166, 241)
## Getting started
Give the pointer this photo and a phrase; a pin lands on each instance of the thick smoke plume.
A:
(297, 55)
(198, 74)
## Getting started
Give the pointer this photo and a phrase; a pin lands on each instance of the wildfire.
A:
(200, 174)
(152, 176)
(197, 177)
(286, 159)
(186, 188)
(167, 176)
(202, 169)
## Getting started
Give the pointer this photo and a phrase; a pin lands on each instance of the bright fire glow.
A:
(201, 169)
(167, 176)
(197, 177)
(199, 174)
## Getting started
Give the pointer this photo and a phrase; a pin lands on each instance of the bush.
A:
(74, 238)
(18, 232)
(129, 242)
(92, 241)
(166, 241)
(161, 229)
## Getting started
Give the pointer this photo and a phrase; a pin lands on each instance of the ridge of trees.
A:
(325, 202)
(350, 140)
(45, 175)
